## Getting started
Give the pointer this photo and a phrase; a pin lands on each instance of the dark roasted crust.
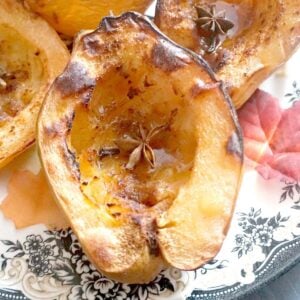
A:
(75, 79)
(234, 146)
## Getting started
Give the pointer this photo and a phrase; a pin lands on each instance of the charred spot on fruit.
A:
(86, 96)
(150, 232)
(116, 215)
(148, 227)
(60, 128)
(71, 160)
(69, 121)
(91, 44)
(93, 47)
(151, 237)
(147, 83)
(53, 131)
(133, 92)
(108, 25)
(56, 129)
(234, 145)
(76, 79)
(168, 57)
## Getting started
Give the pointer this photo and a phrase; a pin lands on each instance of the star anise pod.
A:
(139, 146)
(213, 22)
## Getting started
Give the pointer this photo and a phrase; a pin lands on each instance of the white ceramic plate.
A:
(263, 241)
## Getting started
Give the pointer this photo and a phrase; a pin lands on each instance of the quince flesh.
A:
(69, 17)
(173, 204)
(31, 57)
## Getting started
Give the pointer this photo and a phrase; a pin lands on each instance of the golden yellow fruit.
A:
(31, 56)
(265, 34)
(143, 151)
(69, 17)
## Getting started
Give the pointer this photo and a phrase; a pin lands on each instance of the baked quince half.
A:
(142, 148)
(69, 17)
(31, 57)
(244, 41)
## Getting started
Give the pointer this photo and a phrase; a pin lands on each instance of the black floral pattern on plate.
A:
(257, 230)
(295, 94)
(291, 191)
(212, 265)
(60, 256)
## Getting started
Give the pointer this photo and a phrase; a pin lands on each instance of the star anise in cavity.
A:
(139, 145)
(214, 23)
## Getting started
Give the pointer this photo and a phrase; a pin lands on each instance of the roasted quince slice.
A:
(244, 41)
(69, 17)
(142, 148)
(31, 56)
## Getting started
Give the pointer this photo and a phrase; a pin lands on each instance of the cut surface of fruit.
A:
(20, 72)
(69, 17)
(262, 36)
(31, 56)
(142, 149)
